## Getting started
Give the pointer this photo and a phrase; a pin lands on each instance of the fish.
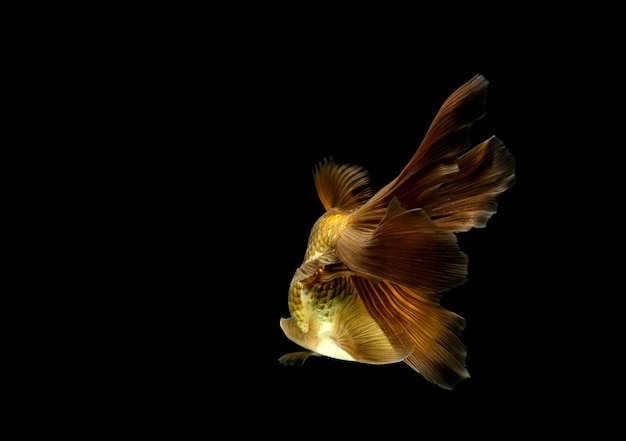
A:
(377, 262)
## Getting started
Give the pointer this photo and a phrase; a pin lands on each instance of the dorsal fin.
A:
(341, 186)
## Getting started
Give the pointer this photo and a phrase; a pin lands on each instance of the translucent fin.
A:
(438, 354)
(470, 200)
(295, 358)
(357, 333)
(406, 248)
(305, 271)
(311, 270)
(435, 161)
(341, 186)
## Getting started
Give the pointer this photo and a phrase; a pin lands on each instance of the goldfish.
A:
(378, 262)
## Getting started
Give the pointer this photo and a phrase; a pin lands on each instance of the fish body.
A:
(377, 262)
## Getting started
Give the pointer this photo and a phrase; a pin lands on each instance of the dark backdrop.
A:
(222, 202)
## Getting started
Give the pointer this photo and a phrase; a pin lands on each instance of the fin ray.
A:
(406, 248)
(435, 161)
(470, 200)
(295, 358)
(357, 333)
(439, 354)
(310, 269)
(341, 186)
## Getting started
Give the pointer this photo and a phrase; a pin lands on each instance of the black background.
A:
(166, 158)
(221, 201)
(240, 208)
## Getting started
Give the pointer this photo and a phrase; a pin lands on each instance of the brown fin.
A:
(435, 161)
(341, 186)
(470, 200)
(305, 271)
(295, 358)
(357, 333)
(406, 248)
(329, 272)
(439, 354)
(309, 271)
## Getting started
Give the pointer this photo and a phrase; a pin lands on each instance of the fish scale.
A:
(318, 300)
(325, 232)
(306, 299)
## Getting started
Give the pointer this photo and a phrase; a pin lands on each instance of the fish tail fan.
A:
(448, 134)
(406, 248)
(435, 161)
(485, 172)
(358, 334)
(438, 352)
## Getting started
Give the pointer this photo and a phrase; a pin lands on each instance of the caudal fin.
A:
(438, 353)
(406, 248)
(435, 161)
(485, 172)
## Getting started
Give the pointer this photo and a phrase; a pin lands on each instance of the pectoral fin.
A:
(309, 268)
(305, 271)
